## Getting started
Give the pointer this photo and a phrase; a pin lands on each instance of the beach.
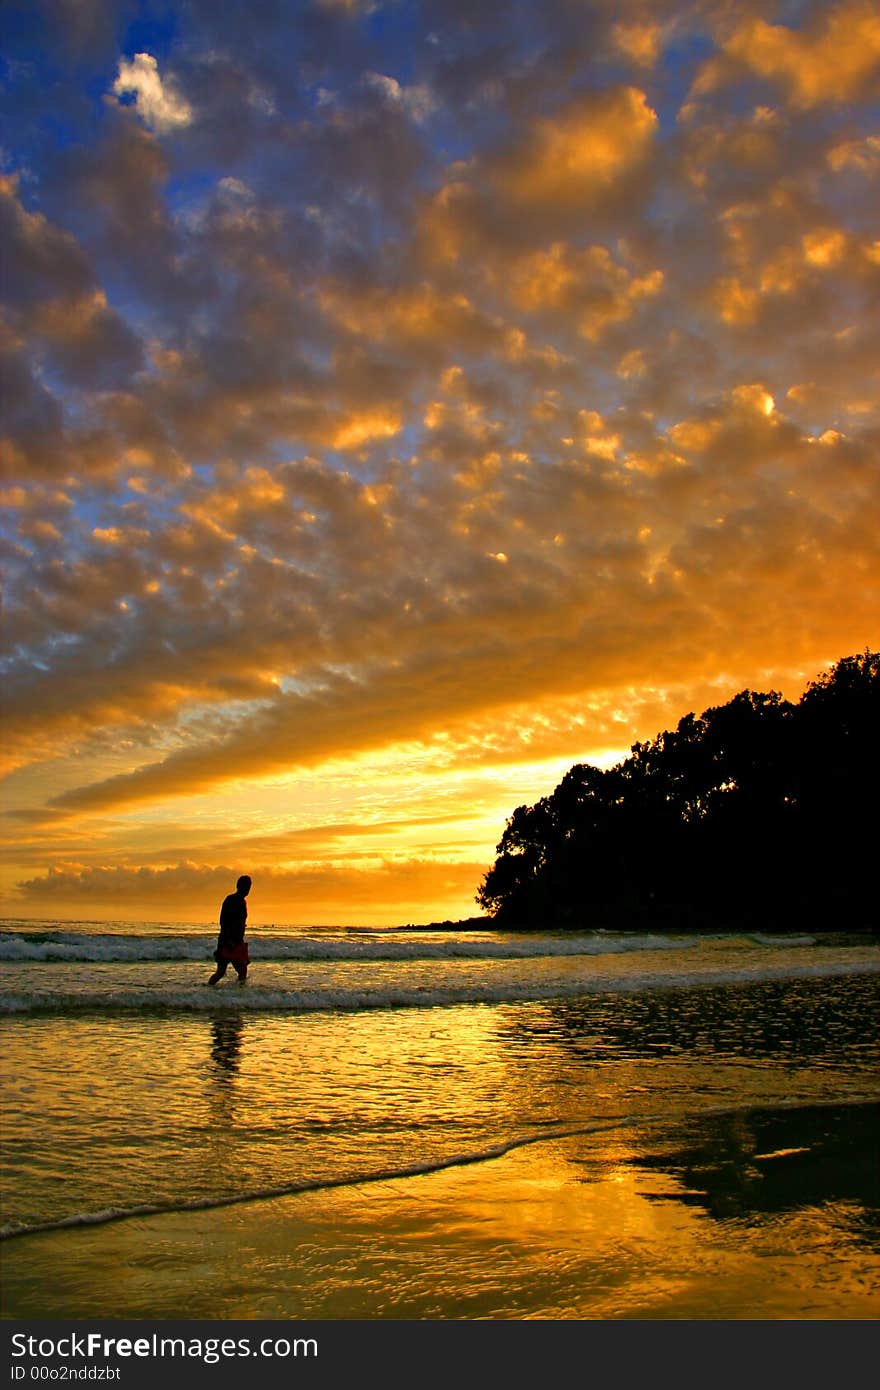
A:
(467, 1125)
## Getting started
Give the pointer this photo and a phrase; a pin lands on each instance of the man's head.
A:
(243, 886)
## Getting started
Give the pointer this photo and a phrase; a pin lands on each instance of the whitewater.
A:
(89, 968)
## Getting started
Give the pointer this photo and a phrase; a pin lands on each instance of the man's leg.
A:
(222, 967)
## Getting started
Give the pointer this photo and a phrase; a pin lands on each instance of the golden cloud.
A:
(307, 895)
(585, 156)
(421, 317)
(832, 61)
(589, 286)
(861, 155)
(577, 154)
(640, 41)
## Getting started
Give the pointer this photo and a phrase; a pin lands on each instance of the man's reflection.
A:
(226, 1042)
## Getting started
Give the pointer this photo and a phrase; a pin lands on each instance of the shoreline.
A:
(623, 1223)
(677, 925)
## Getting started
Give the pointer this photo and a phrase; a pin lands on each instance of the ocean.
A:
(409, 1123)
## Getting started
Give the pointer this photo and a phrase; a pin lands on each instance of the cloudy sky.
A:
(404, 400)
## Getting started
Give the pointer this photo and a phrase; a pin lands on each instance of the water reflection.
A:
(226, 1031)
(226, 1037)
(789, 1021)
(755, 1165)
(675, 1061)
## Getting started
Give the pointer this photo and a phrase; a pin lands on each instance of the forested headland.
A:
(758, 812)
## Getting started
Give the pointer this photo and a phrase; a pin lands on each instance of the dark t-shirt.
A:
(233, 916)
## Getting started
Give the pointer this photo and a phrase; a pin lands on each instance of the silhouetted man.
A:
(231, 945)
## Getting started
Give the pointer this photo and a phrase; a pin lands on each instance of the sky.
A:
(403, 401)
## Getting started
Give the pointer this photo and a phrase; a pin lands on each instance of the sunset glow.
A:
(404, 400)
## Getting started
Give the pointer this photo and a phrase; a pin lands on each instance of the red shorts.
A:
(237, 953)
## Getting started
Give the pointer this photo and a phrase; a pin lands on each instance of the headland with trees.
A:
(758, 813)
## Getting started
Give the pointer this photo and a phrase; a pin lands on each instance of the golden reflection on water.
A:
(574, 1228)
(235, 1100)
(727, 1171)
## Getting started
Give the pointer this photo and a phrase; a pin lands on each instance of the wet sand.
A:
(770, 1214)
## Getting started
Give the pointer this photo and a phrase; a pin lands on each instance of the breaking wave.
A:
(94, 948)
(260, 999)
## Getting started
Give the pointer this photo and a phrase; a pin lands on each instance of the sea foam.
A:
(254, 998)
(96, 948)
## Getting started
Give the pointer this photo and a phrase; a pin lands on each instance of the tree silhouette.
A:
(756, 811)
